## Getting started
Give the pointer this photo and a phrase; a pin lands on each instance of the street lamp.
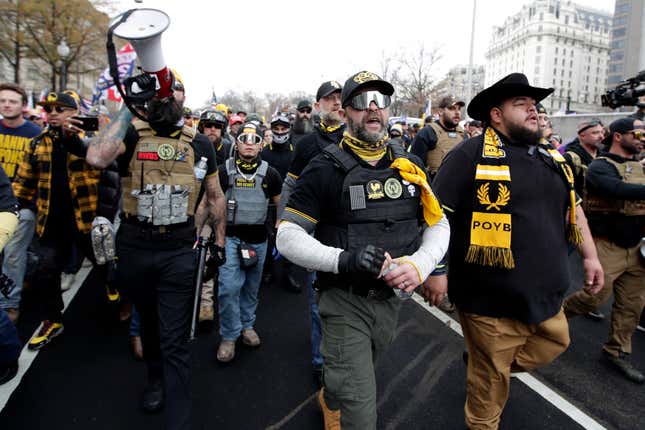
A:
(63, 51)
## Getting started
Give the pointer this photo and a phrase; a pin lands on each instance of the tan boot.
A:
(250, 337)
(206, 313)
(226, 351)
(331, 418)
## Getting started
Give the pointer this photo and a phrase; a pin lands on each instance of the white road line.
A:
(533, 383)
(27, 356)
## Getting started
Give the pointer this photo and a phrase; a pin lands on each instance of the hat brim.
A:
(56, 103)
(480, 106)
(328, 93)
(381, 86)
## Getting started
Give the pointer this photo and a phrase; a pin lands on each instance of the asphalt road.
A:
(86, 379)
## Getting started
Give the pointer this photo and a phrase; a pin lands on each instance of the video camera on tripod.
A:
(626, 92)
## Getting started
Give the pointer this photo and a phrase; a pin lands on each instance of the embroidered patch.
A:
(374, 190)
(244, 183)
(147, 156)
(166, 151)
(357, 197)
(393, 188)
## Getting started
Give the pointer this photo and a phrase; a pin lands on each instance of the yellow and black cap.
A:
(59, 99)
(364, 79)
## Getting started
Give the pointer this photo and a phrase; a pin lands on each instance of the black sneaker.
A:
(8, 373)
(153, 397)
(595, 315)
(622, 364)
(48, 331)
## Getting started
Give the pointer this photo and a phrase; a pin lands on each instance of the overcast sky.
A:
(294, 45)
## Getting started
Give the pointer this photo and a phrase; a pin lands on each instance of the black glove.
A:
(217, 257)
(367, 260)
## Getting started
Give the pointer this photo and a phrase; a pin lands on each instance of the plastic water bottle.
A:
(402, 295)
(200, 169)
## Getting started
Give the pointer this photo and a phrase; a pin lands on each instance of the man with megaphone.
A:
(164, 165)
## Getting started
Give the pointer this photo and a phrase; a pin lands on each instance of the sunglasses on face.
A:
(638, 134)
(304, 110)
(58, 109)
(213, 125)
(250, 139)
(362, 101)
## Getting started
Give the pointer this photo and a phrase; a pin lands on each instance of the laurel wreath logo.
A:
(503, 196)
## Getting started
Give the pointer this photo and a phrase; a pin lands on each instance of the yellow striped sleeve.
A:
(302, 215)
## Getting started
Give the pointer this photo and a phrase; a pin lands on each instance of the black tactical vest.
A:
(378, 208)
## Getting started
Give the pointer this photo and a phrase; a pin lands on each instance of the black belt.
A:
(157, 232)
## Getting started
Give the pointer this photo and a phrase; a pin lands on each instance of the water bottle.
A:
(402, 295)
(200, 169)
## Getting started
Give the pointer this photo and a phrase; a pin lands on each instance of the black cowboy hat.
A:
(513, 85)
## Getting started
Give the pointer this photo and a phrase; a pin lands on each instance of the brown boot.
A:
(250, 338)
(331, 418)
(137, 347)
(226, 351)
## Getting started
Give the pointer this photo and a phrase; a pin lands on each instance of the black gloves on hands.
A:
(217, 258)
(368, 260)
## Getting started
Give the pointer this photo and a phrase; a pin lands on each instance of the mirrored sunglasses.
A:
(362, 101)
(638, 134)
(250, 139)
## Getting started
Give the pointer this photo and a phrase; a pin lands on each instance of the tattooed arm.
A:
(215, 201)
(108, 145)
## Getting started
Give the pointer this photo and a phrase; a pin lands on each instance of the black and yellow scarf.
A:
(329, 128)
(368, 151)
(491, 222)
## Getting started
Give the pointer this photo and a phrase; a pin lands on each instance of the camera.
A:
(626, 92)
(89, 123)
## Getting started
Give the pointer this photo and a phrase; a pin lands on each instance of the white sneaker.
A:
(66, 281)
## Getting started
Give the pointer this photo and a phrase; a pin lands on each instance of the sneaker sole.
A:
(46, 342)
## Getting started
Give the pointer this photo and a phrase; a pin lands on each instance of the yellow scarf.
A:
(410, 172)
(329, 128)
(368, 151)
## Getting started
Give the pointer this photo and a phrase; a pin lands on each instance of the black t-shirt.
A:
(311, 145)
(272, 186)
(279, 157)
(316, 196)
(604, 179)
(533, 291)
(60, 218)
(424, 141)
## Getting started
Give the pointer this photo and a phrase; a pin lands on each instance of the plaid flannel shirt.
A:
(34, 179)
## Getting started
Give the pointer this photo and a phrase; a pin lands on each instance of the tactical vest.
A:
(377, 208)
(161, 187)
(446, 140)
(251, 201)
(631, 172)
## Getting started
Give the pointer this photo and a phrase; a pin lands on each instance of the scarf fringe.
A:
(490, 256)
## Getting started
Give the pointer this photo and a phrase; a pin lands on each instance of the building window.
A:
(555, 72)
(556, 49)
(538, 49)
(621, 8)
(563, 61)
(537, 70)
(571, 63)
(619, 32)
(555, 61)
(566, 19)
(562, 72)
(541, 16)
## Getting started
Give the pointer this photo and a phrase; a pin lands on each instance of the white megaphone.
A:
(143, 29)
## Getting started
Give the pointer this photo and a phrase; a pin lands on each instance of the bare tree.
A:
(414, 79)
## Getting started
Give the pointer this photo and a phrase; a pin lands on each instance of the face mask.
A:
(280, 138)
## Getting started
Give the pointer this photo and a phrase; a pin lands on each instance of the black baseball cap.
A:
(303, 104)
(59, 99)
(327, 88)
(361, 80)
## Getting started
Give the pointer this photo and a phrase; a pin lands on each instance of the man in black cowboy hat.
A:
(506, 197)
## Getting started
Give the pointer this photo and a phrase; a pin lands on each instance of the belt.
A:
(161, 232)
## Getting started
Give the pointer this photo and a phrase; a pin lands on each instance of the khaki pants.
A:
(625, 277)
(355, 331)
(495, 345)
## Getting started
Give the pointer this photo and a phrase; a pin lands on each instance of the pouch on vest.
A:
(248, 256)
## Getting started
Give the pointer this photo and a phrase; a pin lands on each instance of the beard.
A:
(449, 123)
(521, 134)
(302, 125)
(164, 113)
(359, 131)
(215, 140)
(330, 118)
